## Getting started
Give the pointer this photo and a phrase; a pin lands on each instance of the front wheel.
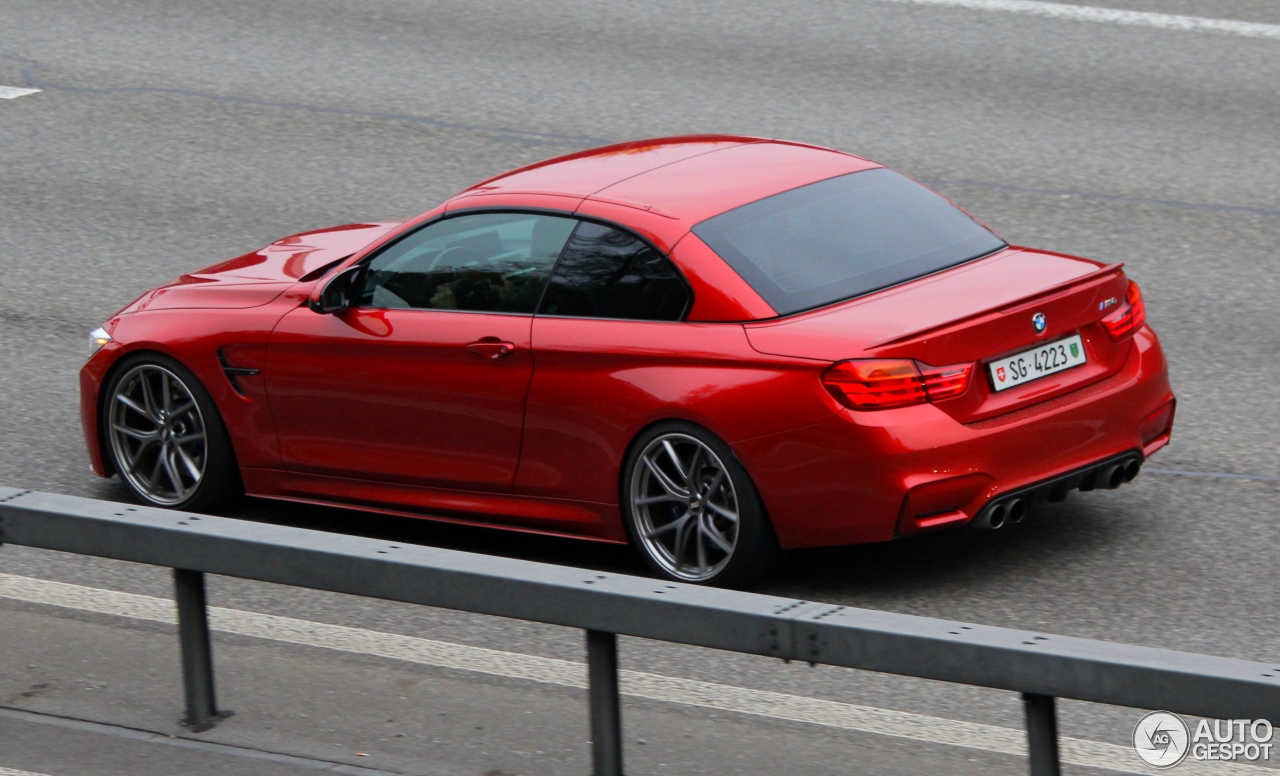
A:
(166, 438)
(693, 511)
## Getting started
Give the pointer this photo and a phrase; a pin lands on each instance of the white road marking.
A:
(565, 673)
(9, 93)
(12, 772)
(180, 742)
(1089, 13)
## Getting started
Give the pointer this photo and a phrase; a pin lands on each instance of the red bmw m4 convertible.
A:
(712, 347)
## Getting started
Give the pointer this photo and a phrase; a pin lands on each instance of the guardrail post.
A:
(606, 716)
(1042, 734)
(197, 655)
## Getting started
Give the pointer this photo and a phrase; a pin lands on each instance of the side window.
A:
(488, 262)
(608, 273)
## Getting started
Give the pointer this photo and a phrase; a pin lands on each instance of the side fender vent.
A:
(235, 372)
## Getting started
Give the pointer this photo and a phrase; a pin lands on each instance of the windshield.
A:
(843, 237)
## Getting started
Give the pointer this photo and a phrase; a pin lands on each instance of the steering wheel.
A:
(459, 256)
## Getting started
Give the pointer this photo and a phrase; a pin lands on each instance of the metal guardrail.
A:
(1042, 667)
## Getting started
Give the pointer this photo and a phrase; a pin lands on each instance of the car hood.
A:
(256, 278)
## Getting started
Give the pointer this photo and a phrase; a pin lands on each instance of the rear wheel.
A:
(693, 511)
(166, 437)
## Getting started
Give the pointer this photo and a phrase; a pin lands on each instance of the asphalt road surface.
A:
(171, 134)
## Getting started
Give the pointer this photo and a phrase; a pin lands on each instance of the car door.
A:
(608, 339)
(422, 381)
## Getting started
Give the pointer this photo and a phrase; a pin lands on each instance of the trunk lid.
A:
(971, 314)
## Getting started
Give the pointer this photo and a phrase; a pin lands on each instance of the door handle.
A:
(491, 347)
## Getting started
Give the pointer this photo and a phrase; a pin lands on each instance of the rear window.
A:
(843, 237)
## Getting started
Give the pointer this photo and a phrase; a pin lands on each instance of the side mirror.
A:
(339, 293)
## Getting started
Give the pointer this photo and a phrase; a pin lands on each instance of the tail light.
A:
(875, 385)
(946, 382)
(880, 384)
(1129, 318)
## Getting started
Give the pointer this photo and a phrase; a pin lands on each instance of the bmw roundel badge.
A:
(1039, 323)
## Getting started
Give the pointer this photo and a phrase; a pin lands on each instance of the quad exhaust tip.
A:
(1115, 475)
(1012, 510)
(1131, 470)
(996, 517)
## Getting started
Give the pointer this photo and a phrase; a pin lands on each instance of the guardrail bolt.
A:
(775, 644)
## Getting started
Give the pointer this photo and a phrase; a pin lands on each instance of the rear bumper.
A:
(1007, 508)
(872, 476)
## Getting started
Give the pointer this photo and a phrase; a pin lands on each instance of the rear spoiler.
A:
(1093, 277)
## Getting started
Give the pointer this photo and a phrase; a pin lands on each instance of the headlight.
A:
(97, 339)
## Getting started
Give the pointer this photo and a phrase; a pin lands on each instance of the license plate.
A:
(1036, 363)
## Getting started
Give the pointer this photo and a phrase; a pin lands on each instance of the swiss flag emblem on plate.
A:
(1000, 374)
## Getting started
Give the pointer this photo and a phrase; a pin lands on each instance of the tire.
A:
(166, 438)
(691, 509)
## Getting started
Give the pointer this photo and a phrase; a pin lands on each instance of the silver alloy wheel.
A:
(158, 434)
(685, 507)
